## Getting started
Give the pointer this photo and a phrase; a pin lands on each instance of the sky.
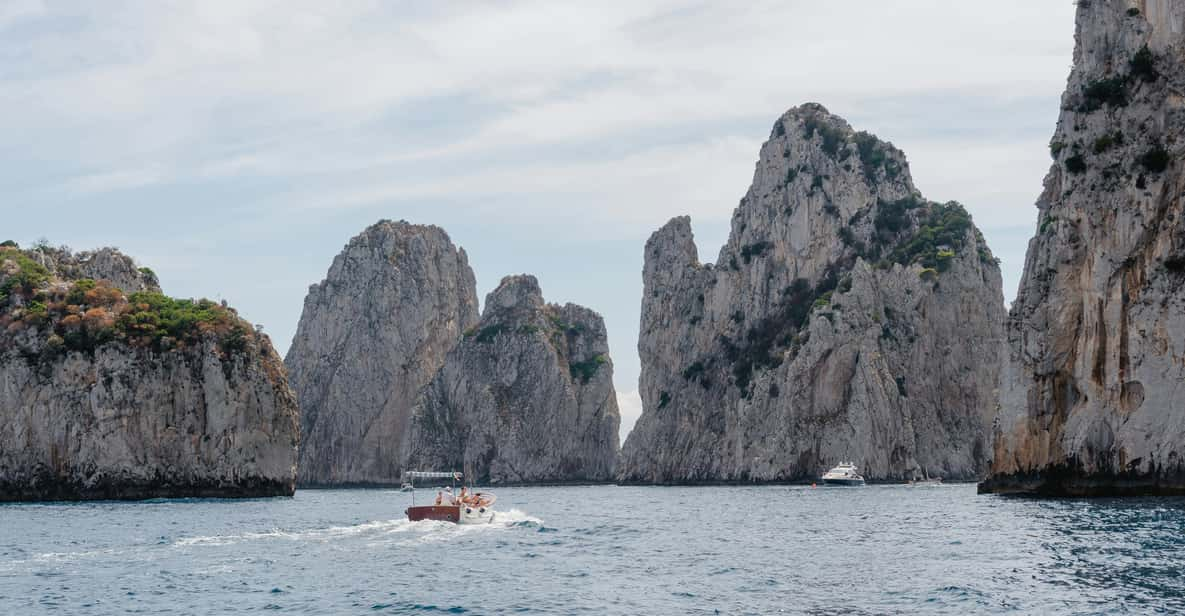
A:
(236, 146)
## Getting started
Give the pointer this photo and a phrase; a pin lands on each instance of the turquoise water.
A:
(601, 550)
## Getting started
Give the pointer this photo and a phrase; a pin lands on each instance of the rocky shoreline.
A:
(51, 489)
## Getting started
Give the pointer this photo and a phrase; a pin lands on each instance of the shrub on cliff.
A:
(19, 273)
(757, 249)
(488, 333)
(832, 138)
(942, 234)
(1143, 65)
(88, 314)
(151, 317)
(1110, 91)
(150, 276)
(892, 216)
(1155, 160)
(1104, 143)
(584, 370)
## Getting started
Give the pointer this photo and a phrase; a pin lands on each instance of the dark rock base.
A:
(1064, 481)
(42, 491)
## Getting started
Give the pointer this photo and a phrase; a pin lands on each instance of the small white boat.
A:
(406, 487)
(462, 508)
(845, 474)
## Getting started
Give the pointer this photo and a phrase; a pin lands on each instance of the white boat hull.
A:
(476, 515)
(845, 474)
(843, 482)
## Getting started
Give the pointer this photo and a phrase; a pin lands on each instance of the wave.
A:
(312, 534)
(423, 531)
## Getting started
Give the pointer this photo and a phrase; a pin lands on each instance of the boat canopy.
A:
(456, 476)
(411, 476)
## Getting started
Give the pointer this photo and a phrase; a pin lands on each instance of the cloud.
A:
(189, 86)
(703, 178)
(13, 11)
(630, 405)
(118, 179)
(237, 126)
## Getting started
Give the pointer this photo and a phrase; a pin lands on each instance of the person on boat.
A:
(439, 498)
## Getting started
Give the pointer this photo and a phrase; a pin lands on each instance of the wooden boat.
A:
(475, 508)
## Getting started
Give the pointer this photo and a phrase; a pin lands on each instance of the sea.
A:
(880, 549)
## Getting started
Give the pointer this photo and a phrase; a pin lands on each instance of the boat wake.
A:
(380, 531)
(314, 534)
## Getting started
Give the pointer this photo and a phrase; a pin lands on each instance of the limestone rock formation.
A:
(103, 264)
(846, 318)
(1092, 399)
(526, 397)
(109, 394)
(372, 335)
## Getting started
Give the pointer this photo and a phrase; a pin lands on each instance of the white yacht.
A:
(845, 474)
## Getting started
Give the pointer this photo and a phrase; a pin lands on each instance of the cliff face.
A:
(527, 396)
(846, 318)
(371, 336)
(110, 394)
(1092, 393)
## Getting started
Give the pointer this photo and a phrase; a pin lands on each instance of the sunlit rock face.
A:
(372, 335)
(846, 318)
(1093, 397)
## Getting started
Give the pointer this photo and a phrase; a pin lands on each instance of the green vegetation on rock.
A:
(85, 314)
(488, 333)
(1106, 142)
(942, 233)
(1155, 160)
(757, 249)
(1143, 65)
(832, 138)
(19, 273)
(1113, 91)
(585, 370)
(1109, 91)
(1076, 164)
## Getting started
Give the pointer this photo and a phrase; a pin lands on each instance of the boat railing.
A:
(409, 478)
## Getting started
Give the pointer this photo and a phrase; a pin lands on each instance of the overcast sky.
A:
(235, 147)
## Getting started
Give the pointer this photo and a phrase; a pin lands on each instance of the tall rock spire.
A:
(1092, 393)
(372, 334)
(845, 318)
